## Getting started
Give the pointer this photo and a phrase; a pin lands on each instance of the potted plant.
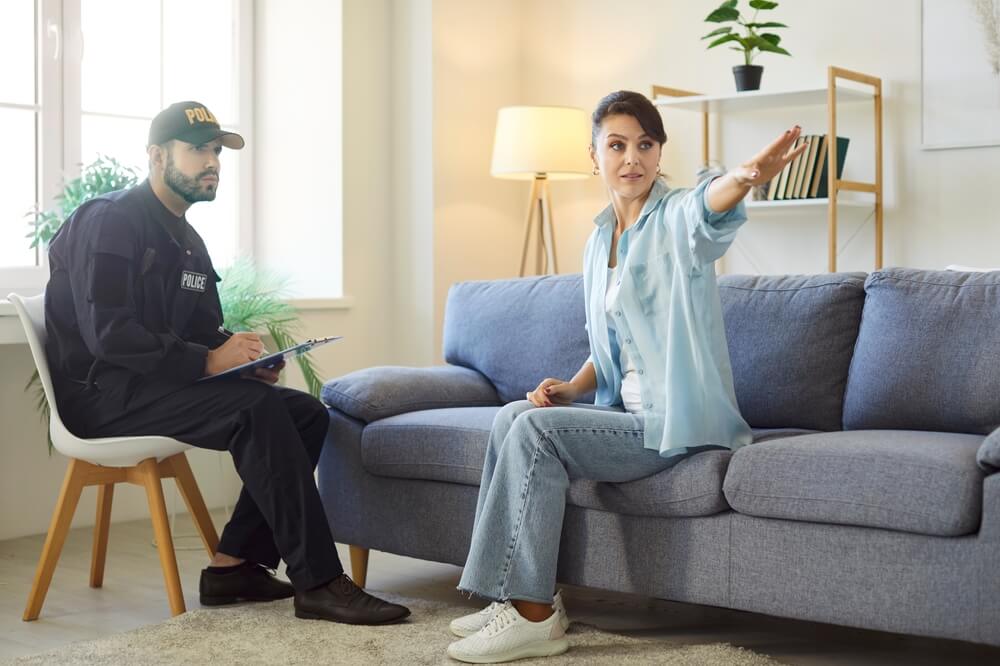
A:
(751, 42)
(252, 299)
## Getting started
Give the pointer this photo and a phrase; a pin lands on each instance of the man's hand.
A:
(239, 349)
(553, 393)
(267, 375)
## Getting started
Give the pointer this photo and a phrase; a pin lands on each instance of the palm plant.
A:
(255, 300)
(103, 175)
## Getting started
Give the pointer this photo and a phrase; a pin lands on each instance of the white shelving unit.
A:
(828, 96)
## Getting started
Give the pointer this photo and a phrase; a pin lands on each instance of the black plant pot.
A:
(747, 77)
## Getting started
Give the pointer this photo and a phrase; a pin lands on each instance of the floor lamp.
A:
(540, 144)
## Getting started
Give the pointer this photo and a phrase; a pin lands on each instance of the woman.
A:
(659, 364)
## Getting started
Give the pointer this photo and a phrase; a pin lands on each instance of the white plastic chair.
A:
(104, 462)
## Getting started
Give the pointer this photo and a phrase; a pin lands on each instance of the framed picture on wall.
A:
(960, 73)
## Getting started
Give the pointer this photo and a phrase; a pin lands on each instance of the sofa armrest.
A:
(988, 456)
(377, 393)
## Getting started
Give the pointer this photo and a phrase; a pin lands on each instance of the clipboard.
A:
(274, 358)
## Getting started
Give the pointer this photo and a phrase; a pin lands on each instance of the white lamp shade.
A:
(550, 140)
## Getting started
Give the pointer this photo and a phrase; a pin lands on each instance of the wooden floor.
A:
(133, 595)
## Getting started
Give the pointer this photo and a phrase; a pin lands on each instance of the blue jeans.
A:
(532, 456)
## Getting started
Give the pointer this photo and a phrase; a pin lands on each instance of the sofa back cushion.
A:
(791, 338)
(517, 332)
(928, 353)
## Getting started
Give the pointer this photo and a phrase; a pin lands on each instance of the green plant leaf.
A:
(763, 4)
(769, 24)
(103, 175)
(723, 14)
(771, 37)
(720, 31)
(723, 40)
(254, 300)
(759, 42)
(41, 404)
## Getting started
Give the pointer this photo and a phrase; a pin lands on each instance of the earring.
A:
(596, 171)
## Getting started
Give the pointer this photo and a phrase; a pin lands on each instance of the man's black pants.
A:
(275, 436)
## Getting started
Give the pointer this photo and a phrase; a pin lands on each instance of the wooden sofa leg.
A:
(62, 516)
(150, 474)
(359, 565)
(102, 526)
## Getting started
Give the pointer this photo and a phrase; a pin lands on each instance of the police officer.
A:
(134, 320)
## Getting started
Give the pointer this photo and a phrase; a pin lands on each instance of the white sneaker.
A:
(470, 624)
(508, 636)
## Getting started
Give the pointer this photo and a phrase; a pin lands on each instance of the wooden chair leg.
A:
(62, 516)
(359, 565)
(102, 526)
(150, 474)
(188, 488)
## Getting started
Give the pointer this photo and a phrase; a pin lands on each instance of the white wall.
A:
(409, 165)
(478, 68)
(297, 143)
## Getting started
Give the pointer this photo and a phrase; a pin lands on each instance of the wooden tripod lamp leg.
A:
(548, 230)
(532, 199)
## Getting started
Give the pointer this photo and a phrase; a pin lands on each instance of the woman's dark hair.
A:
(628, 103)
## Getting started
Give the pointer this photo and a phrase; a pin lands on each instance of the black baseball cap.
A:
(191, 122)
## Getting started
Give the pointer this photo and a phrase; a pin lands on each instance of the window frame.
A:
(58, 64)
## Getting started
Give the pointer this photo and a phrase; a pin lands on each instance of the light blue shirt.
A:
(669, 317)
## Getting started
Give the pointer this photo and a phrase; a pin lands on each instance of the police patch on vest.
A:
(193, 281)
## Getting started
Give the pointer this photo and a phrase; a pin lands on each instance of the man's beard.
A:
(187, 188)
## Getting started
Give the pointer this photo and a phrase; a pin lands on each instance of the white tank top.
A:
(631, 395)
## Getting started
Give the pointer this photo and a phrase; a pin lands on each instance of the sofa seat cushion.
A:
(907, 480)
(450, 445)
(434, 444)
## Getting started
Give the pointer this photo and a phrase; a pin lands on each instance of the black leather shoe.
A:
(244, 582)
(341, 600)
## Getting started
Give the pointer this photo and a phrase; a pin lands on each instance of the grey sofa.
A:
(861, 501)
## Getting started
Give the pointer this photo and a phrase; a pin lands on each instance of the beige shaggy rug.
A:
(270, 634)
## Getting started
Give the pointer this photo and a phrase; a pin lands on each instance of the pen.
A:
(226, 332)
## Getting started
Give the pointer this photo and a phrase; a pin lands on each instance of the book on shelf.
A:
(806, 170)
(800, 170)
(823, 189)
(793, 174)
(805, 176)
(772, 187)
(820, 161)
(779, 193)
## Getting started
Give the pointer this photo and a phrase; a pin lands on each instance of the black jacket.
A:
(131, 298)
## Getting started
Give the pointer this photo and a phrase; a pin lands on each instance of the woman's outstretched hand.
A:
(769, 162)
(553, 393)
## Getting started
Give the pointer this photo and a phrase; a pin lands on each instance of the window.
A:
(89, 77)
(20, 114)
